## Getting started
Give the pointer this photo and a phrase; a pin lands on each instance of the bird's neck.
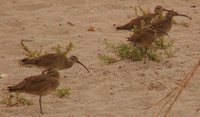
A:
(68, 63)
(169, 18)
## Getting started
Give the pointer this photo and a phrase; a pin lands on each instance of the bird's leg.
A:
(17, 98)
(143, 52)
(162, 43)
(145, 55)
(40, 101)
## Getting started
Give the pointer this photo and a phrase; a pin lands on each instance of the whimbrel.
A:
(146, 18)
(144, 38)
(165, 24)
(56, 61)
(39, 85)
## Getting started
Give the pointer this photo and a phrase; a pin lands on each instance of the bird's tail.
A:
(122, 28)
(12, 88)
(27, 61)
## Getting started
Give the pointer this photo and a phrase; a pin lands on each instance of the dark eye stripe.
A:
(74, 58)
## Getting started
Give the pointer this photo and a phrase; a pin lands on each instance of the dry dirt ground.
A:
(122, 89)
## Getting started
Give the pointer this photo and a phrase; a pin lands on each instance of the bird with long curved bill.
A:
(55, 61)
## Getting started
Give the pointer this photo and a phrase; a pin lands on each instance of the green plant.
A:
(59, 48)
(170, 52)
(24, 101)
(161, 43)
(167, 46)
(152, 55)
(144, 12)
(63, 92)
(36, 53)
(30, 53)
(14, 100)
(7, 99)
(107, 59)
(130, 52)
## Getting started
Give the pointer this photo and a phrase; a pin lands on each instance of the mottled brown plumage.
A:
(146, 18)
(56, 61)
(40, 85)
(165, 24)
(144, 38)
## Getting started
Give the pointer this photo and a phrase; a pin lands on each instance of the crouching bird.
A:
(56, 61)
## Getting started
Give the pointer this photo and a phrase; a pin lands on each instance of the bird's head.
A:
(159, 9)
(171, 14)
(74, 59)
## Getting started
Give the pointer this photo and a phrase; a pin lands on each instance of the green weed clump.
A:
(128, 51)
(108, 59)
(30, 53)
(59, 49)
(160, 48)
(36, 53)
(14, 100)
(63, 92)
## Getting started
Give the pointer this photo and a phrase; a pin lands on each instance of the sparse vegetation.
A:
(24, 101)
(144, 12)
(63, 92)
(128, 51)
(166, 46)
(59, 48)
(108, 59)
(14, 100)
(36, 53)
(30, 53)
(122, 50)
(161, 43)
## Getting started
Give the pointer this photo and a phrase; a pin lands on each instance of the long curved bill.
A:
(177, 14)
(184, 16)
(166, 9)
(83, 66)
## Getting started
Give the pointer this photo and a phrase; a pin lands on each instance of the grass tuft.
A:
(107, 59)
(36, 53)
(63, 92)
(14, 100)
(160, 48)
(128, 51)
(59, 48)
(30, 53)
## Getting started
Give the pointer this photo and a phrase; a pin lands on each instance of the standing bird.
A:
(146, 18)
(39, 85)
(57, 61)
(165, 24)
(144, 38)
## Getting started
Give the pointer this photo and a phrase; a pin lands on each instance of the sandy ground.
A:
(122, 89)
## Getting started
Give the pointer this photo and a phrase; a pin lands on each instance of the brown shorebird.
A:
(144, 38)
(165, 24)
(146, 18)
(56, 61)
(39, 85)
